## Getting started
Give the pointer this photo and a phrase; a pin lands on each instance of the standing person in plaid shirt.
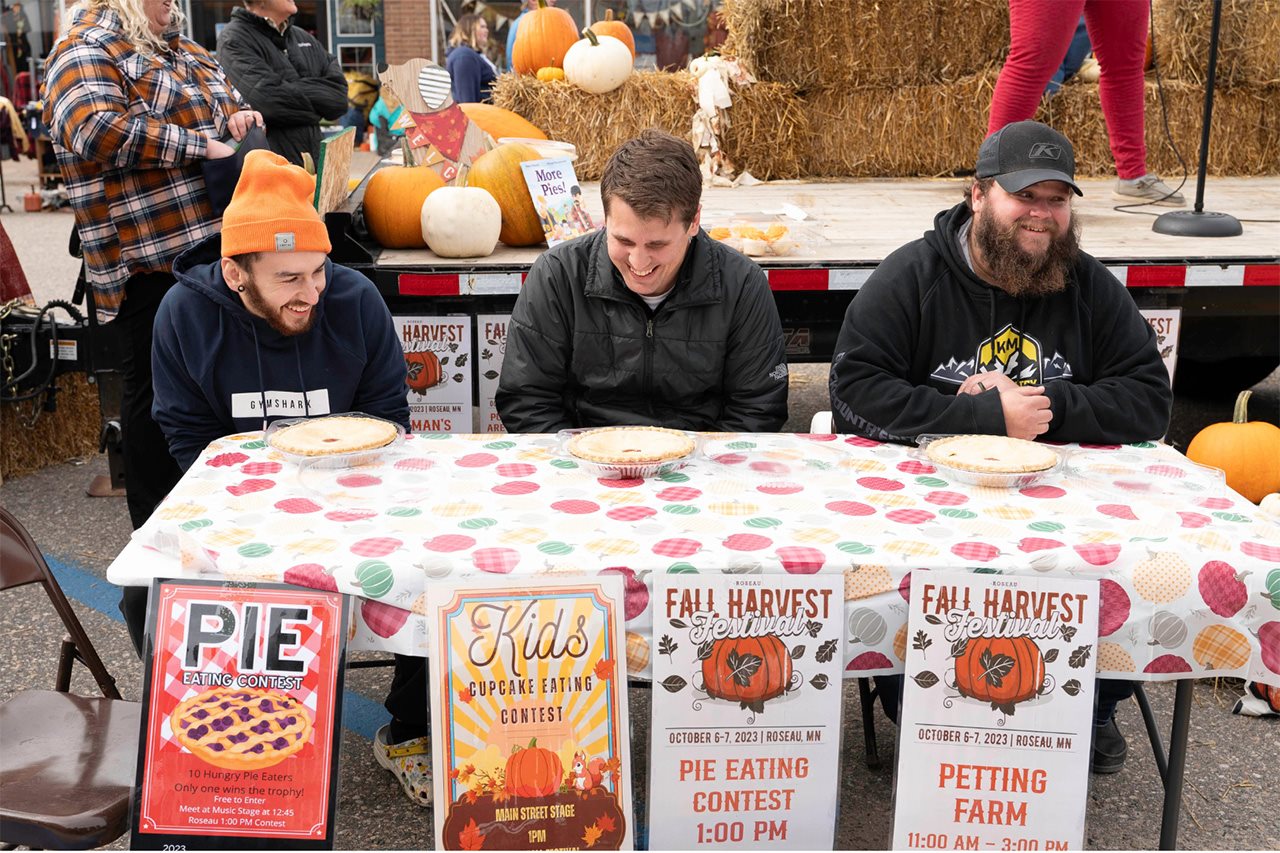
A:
(134, 108)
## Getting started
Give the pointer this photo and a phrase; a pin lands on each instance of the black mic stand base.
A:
(1197, 223)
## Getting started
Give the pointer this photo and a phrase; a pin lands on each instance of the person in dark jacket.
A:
(648, 321)
(470, 70)
(262, 326)
(996, 323)
(285, 73)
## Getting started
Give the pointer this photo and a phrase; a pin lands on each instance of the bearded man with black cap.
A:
(996, 323)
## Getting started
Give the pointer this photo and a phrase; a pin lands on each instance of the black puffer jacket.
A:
(584, 351)
(289, 78)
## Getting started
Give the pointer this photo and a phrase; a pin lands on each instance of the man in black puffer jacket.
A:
(649, 321)
(285, 73)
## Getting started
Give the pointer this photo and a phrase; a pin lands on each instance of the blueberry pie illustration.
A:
(241, 728)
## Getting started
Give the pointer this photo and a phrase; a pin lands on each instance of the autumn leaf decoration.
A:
(592, 834)
(995, 668)
(606, 823)
(464, 695)
(604, 669)
(742, 667)
(471, 838)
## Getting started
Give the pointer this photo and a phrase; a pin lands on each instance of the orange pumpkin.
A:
(393, 205)
(498, 171)
(617, 29)
(1268, 694)
(750, 670)
(499, 123)
(424, 372)
(544, 36)
(1248, 452)
(533, 771)
(1001, 670)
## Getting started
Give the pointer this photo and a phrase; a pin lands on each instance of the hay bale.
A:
(1248, 44)
(597, 124)
(768, 133)
(68, 433)
(816, 44)
(907, 131)
(1245, 138)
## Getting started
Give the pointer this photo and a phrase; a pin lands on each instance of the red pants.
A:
(1039, 33)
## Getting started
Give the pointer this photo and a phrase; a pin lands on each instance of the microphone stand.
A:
(1200, 222)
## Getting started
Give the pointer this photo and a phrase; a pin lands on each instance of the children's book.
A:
(557, 198)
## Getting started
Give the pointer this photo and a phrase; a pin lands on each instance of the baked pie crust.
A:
(991, 454)
(635, 445)
(241, 728)
(329, 436)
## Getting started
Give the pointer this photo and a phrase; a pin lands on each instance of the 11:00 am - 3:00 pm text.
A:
(942, 841)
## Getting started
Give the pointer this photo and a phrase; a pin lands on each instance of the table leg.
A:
(1177, 765)
(1153, 733)
(868, 723)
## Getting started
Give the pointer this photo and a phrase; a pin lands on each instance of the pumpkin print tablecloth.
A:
(1189, 571)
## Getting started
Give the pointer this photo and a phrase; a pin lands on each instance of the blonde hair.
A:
(464, 32)
(136, 28)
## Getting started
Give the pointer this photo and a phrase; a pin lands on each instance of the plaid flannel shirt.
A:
(130, 131)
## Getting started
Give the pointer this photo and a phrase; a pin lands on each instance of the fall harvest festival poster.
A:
(529, 716)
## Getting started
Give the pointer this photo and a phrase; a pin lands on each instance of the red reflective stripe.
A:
(1156, 277)
(416, 284)
(798, 279)
(1262, 276)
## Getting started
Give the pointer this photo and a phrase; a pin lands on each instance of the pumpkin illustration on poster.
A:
(752, 669)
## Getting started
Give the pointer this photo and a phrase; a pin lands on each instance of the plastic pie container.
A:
(348, 459)
(625, 471)
(988, 479)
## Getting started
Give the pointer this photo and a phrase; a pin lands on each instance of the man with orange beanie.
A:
(260, 326)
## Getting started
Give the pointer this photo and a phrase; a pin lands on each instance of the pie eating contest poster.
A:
(241, 717)
(746, 711)
(529, 715)
(997, 713)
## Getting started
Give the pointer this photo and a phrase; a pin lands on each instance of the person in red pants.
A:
(1039, 35)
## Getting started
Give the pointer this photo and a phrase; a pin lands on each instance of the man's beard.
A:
(274, 316)
(1022, 273)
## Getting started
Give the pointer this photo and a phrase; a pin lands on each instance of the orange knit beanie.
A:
(271, 209)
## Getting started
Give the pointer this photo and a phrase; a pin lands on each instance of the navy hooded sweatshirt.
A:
(924, 321)
(215, 365)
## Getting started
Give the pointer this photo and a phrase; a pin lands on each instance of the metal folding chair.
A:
(68, 764)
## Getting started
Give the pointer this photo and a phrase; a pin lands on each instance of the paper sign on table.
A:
(529, 713)
(492, 344)
(746, 725)
(557, 197)
(437, 354)
(239, 741)
(997, 713)
(1166, 323)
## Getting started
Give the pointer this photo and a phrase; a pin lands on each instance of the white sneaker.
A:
(409, 762)
(1150, 189)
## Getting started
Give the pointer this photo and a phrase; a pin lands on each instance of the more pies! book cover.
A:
(529, 717)
(242, 702)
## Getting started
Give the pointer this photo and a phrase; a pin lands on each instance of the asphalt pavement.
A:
(1231, 785)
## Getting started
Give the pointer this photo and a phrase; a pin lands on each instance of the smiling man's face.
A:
(647, 253)
(280, 287)
(1025, 242)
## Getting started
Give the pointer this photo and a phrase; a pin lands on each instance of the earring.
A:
(240, 288)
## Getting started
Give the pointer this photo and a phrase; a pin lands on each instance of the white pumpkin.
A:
(1271, 505)
(597, 63)
(461, 222)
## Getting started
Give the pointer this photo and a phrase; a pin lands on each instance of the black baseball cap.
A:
(1025, 153)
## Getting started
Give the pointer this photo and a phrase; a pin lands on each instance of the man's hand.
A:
(977, 383)
(217, 149)
(1026, 411)
(242, 122)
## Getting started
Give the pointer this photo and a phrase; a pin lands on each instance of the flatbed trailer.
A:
(1227, 290)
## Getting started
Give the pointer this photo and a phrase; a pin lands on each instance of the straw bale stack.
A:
(1248, 44)
(768, 132)
(1245, 139)
(597, 124)
(68, 433)
(907, 131)
(823, 44)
